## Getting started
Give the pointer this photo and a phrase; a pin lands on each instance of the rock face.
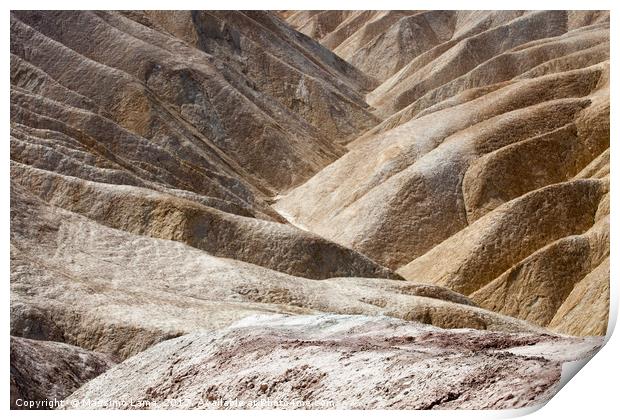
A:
(108, 290)
(367, 175)
(333, 361)
(190, 126)
(44, 371)
(490, 172)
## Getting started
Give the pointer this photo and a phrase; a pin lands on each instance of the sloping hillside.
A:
(191, 190)
(490, 173)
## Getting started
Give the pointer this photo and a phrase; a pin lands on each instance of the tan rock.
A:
(485, 249)
(586, 310)
(146, 212)
(398, 195)
(174, 172)
(76, 281)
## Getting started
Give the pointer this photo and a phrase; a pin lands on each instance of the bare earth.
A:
(339, 209)
(356, 362)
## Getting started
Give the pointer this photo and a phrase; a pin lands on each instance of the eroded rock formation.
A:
(44, 372)
(490, 172)
(347, 361)
(380, 180)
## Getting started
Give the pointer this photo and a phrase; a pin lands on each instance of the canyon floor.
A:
(324, 209)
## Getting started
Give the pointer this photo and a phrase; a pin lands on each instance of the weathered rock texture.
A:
(44, 371)
(490, 173)
(183, 136)
(175, 172)
(339, 362)
(77, 281)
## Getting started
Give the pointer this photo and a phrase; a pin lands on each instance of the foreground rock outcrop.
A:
(338, 362)
(43, 373)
